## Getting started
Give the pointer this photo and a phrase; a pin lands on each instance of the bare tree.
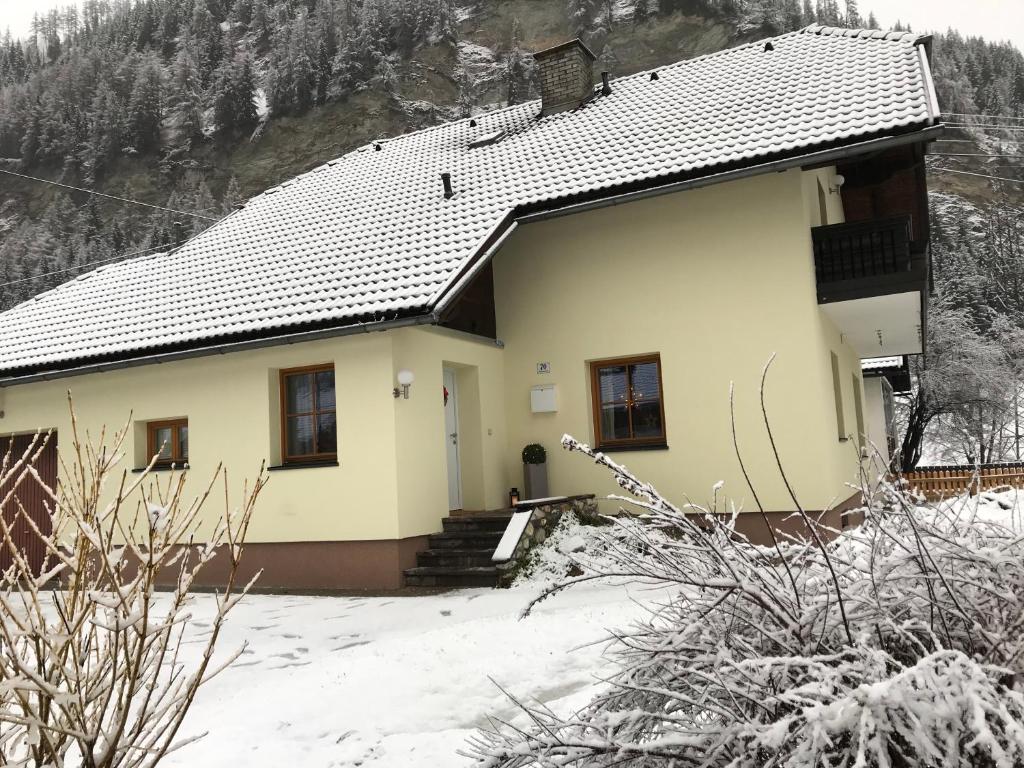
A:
(90, 671)
(964, 405)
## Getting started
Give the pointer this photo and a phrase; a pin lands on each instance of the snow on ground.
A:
(403, 681)
(1005, 507)
(392, 681)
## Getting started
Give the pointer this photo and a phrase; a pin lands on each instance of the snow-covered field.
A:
(392, 681)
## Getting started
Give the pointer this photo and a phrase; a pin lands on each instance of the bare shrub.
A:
(896, 643)
(90, 670)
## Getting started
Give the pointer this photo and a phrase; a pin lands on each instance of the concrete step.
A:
(465, 540)
(455, 558)
(476, 523)
(451, 577)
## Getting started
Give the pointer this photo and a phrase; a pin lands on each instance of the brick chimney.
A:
(566, 76)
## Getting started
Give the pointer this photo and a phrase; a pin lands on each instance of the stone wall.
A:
(543, 520)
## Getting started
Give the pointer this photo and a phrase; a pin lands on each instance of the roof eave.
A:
(270, 338)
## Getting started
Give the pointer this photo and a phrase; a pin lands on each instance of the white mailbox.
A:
(543, 398)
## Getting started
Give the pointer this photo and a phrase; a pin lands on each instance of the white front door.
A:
(451, 440)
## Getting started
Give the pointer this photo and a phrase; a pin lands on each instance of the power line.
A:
(109, 197)
(979, 114)
(982, 175)
(969, 154)
(986, 127)
(92, 264)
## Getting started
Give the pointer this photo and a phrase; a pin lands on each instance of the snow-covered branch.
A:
(90, 667)
(749, 660)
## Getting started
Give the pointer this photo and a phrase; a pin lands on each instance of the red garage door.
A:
(33, 499)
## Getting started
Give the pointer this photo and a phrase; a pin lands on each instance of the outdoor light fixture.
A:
(836, 183)
(513, 497)
(405, 380)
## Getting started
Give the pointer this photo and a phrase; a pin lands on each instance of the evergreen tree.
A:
(208, 43)
(259, 25)
(808, 15)
(853, 18)
(186, 100)
(145, 107)
(518, 69)
(106, 133)
(234, 109)
(580, 14)
(640, 11)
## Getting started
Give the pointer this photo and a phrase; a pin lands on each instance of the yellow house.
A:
(388, 331)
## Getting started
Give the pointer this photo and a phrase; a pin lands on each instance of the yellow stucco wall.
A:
(391, 481)
(420, 427)
(716, 280)
(232, 405)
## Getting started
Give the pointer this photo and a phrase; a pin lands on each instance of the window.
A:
(168, 441)
(837, 391)
(628, 407)
(308, 430)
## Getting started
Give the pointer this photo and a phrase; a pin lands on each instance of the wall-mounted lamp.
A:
(836, 183)
(405, 380)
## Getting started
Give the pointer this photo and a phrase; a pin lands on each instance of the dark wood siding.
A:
(33, 498)
(889, 184)
(473, 310)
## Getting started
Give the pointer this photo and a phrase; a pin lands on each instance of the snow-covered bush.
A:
(90, 673)
(896, 643)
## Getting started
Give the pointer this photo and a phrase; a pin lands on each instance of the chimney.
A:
(566, 76)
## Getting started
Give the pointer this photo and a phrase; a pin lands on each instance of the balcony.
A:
(866, 258)
(872, 284)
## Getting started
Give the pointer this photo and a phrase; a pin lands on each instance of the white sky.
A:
(992, 19)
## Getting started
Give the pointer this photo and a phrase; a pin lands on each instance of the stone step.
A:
(455, 558)
(451, 577)
(464, 540)
(476, 523)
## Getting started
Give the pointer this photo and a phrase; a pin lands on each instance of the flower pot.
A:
(536, 477)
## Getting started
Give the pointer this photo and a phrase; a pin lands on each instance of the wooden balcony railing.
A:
(866, 258)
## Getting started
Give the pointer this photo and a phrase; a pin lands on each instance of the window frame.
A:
(315, 457)
(637, 443)
(175, 426)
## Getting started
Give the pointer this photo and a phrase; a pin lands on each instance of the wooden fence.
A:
(943, 482)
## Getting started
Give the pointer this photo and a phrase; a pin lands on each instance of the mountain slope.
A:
(196, 104)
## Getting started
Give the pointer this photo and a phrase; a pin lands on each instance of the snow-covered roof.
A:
(371, 235)
(873, 364)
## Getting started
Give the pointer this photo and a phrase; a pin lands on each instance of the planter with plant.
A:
(535, 471)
